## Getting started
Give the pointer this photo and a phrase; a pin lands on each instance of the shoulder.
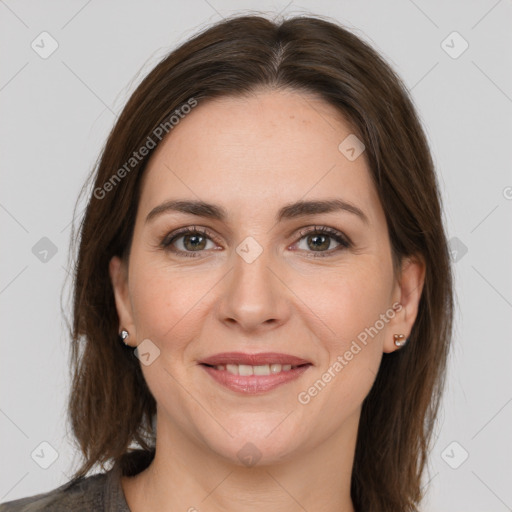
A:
(101, 491)
(86, 493)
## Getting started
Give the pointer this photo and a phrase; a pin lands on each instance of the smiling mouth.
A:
(264, 369)
(254, 374)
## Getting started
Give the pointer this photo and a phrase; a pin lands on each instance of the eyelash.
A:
(344, 242)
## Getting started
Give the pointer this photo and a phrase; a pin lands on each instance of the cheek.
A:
(157, 305)
(349, 303)
(349, 299)
(352, 304)
(167, 302)
(350, 307)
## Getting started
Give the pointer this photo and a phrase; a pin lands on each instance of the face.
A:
(225, 308)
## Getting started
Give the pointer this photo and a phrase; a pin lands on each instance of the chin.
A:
(255, 444)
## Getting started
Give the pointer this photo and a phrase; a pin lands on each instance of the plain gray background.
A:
(57, 111)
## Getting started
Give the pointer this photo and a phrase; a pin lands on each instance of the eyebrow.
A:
(289, 211)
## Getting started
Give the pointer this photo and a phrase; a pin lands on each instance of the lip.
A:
(254, 384)
(253, 359)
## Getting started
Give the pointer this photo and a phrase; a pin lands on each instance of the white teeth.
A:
(247, 369)
(275, 368)
(232, 368)
(263, 369)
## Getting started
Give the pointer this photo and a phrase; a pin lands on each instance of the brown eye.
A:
(319, 240)
(194, 242)
(187, 241)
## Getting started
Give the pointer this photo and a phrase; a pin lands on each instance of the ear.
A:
(407, 293)
(119, 277)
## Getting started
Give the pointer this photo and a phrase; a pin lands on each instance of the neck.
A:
(187, 476)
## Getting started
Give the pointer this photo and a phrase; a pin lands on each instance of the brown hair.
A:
(110, 405)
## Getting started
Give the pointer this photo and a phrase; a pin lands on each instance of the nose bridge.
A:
(253, 296)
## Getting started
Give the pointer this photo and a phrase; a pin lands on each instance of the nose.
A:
(253, 296)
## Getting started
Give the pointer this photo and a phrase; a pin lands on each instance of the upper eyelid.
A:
(177, 233)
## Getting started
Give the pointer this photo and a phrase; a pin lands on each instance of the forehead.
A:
(256, 151)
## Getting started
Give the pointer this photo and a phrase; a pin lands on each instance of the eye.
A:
(319, 239)
(192, 241)
(188, 241)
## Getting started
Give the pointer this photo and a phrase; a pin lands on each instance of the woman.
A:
(263, 292)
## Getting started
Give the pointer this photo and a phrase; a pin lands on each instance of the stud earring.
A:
(399, 339)
(123, 336)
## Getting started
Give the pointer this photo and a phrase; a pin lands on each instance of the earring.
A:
(399, 339)
(123, 335)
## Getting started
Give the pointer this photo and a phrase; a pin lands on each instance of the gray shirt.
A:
(99, 492)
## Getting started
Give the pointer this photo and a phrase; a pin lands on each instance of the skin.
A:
(252, 155)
